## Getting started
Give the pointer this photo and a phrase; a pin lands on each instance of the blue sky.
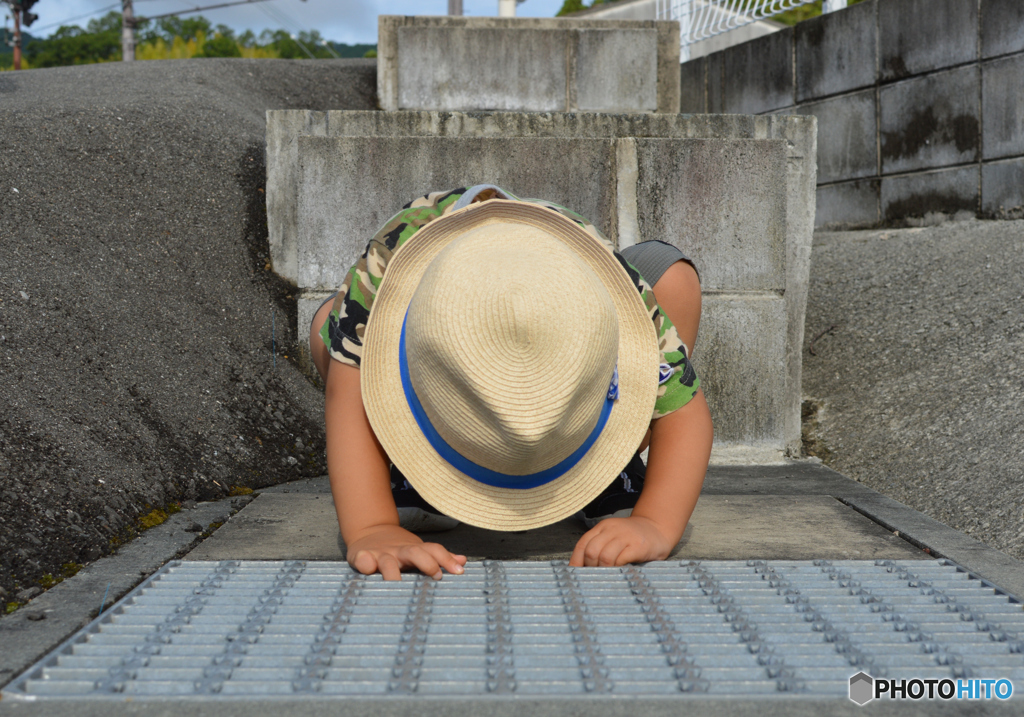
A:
(351, 21)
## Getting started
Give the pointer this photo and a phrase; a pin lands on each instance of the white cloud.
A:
(351, 21)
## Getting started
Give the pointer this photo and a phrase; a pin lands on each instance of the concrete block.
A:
(616, 212)
(847, 144)
(720, 202)
(1001, 23)
(758, 75)
(441, 70)
(1002, 189)
(527, 64)
(341, 207)
(931, 121)
(849, 205)
(693, 86)
(924, 35)
(716, 83)
(740, 358)
(800, 136)
(283, 131)
(1002, 83)
(944, 192)
(616, 71)
(836, 52)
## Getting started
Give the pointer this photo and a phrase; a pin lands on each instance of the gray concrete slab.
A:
(693, 86)
(941, 541)
(848, 205)
(434, 69)
(527, 64)
(1002, 189)
(758, 75)
(921, 35)
(943, 192)
(847, 146)
(574, 172)
(37, 627)
(741, 207)
(616, 71)
(702, 197)
(1001, 21)
(836, 52)
(302, 525)
(744, 335)
(1003, 106)
(930, 121)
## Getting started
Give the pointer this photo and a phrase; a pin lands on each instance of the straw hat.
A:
(489, 365)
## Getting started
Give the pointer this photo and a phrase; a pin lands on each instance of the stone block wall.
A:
(735, 193)
(920, 105)
(527, 64)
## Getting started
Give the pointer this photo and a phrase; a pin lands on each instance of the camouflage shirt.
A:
(344, 329)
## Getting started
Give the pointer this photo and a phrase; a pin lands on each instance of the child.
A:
(511, 366)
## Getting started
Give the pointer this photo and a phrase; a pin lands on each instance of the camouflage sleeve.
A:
(678, 382)
(345, 327)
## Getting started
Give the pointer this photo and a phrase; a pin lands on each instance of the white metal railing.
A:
(701, 19)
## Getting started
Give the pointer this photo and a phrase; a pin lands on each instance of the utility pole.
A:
(16, 11)
(20, 12)
(506, 8)
(454, 7)
(127, 31)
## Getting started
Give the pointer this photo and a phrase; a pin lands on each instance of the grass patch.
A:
(152, 519)
(48, 581)
(237, 490)
(11, 607)
(69, 570)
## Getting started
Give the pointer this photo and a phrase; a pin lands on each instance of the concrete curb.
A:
(804, 477)
(71, 604)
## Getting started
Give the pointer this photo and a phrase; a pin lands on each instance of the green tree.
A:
(220, 46)
(187, 28)
(570, 6)
(70, 45)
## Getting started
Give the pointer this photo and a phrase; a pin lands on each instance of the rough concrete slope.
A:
(137, 314)
(919, 385)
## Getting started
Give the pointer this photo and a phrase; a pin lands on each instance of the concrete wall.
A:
(920, 105)
(735, 193)
(527, 64)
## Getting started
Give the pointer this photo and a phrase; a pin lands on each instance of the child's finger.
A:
(365, 562)
(450, 562)
(592, 553)
(578, 558)
(390, 568)
(610, 552)
(422, 560)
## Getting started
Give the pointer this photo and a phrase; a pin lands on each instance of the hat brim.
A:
(443, 486)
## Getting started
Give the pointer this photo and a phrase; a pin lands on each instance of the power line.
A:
(201, 9)
(77, 18)
(286, 21)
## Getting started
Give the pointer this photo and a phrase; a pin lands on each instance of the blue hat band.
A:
(478, 472)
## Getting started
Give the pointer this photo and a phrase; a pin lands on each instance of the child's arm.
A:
(678, 459)
(361, 487)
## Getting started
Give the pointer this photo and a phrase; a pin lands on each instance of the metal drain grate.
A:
(254, 629)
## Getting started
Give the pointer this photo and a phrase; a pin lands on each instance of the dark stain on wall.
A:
(925, 129)
(917, 205)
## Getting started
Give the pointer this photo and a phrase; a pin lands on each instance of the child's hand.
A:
(388, 549)
(617, 541)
